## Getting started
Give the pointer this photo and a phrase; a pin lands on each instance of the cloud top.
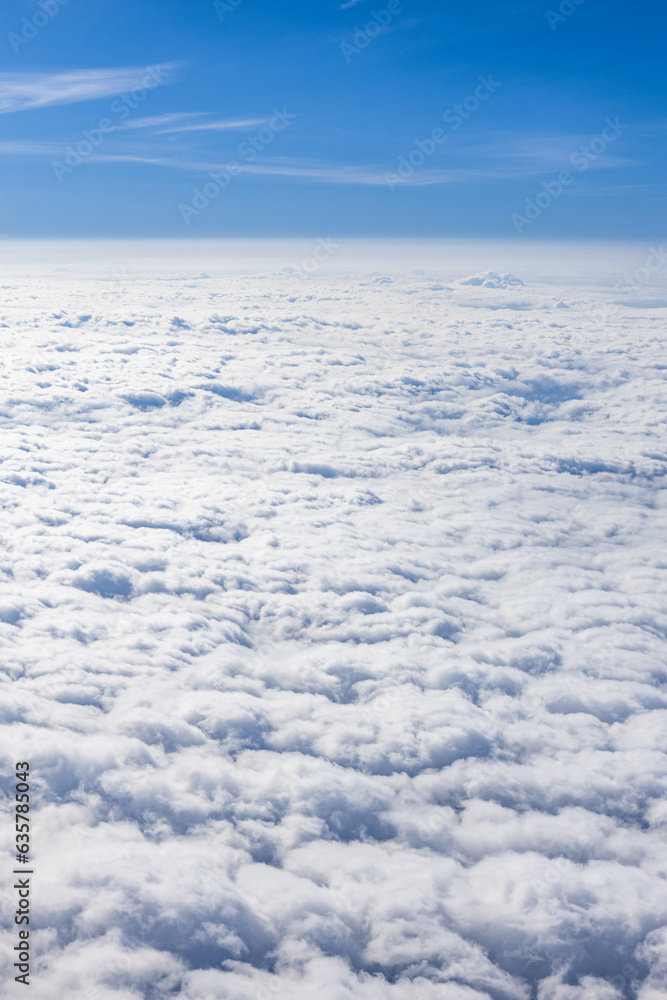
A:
(333, 626)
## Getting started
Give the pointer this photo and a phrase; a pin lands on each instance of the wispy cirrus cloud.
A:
(283, 169)
(216, 126)
(188, 121)
(22, 91)
(29, 147)
(157, 121)
(286, 169)
(325, 173)
(524, 154)
(498, 157)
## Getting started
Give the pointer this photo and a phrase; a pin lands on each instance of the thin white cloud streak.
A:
(27, 147)
(533, 154)
(324, 173)
(154, 121)
(22, 91)
(188, 121)
(217, 126)
(345, 175)
(330, 174)
(367, 175)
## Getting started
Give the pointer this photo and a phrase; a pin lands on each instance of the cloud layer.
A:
(333, 625)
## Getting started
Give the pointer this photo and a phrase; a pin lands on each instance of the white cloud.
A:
(333, 622)
(161, 121)
(227, 125)
(284, 168)
(190, 121)
(22, 91)
(29, 147)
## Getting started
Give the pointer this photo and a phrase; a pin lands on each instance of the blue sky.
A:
(122, 118)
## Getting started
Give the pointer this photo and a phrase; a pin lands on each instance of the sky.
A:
(399, 118)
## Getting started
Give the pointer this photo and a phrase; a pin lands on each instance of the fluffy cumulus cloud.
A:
(491, 279)
(333, 626)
